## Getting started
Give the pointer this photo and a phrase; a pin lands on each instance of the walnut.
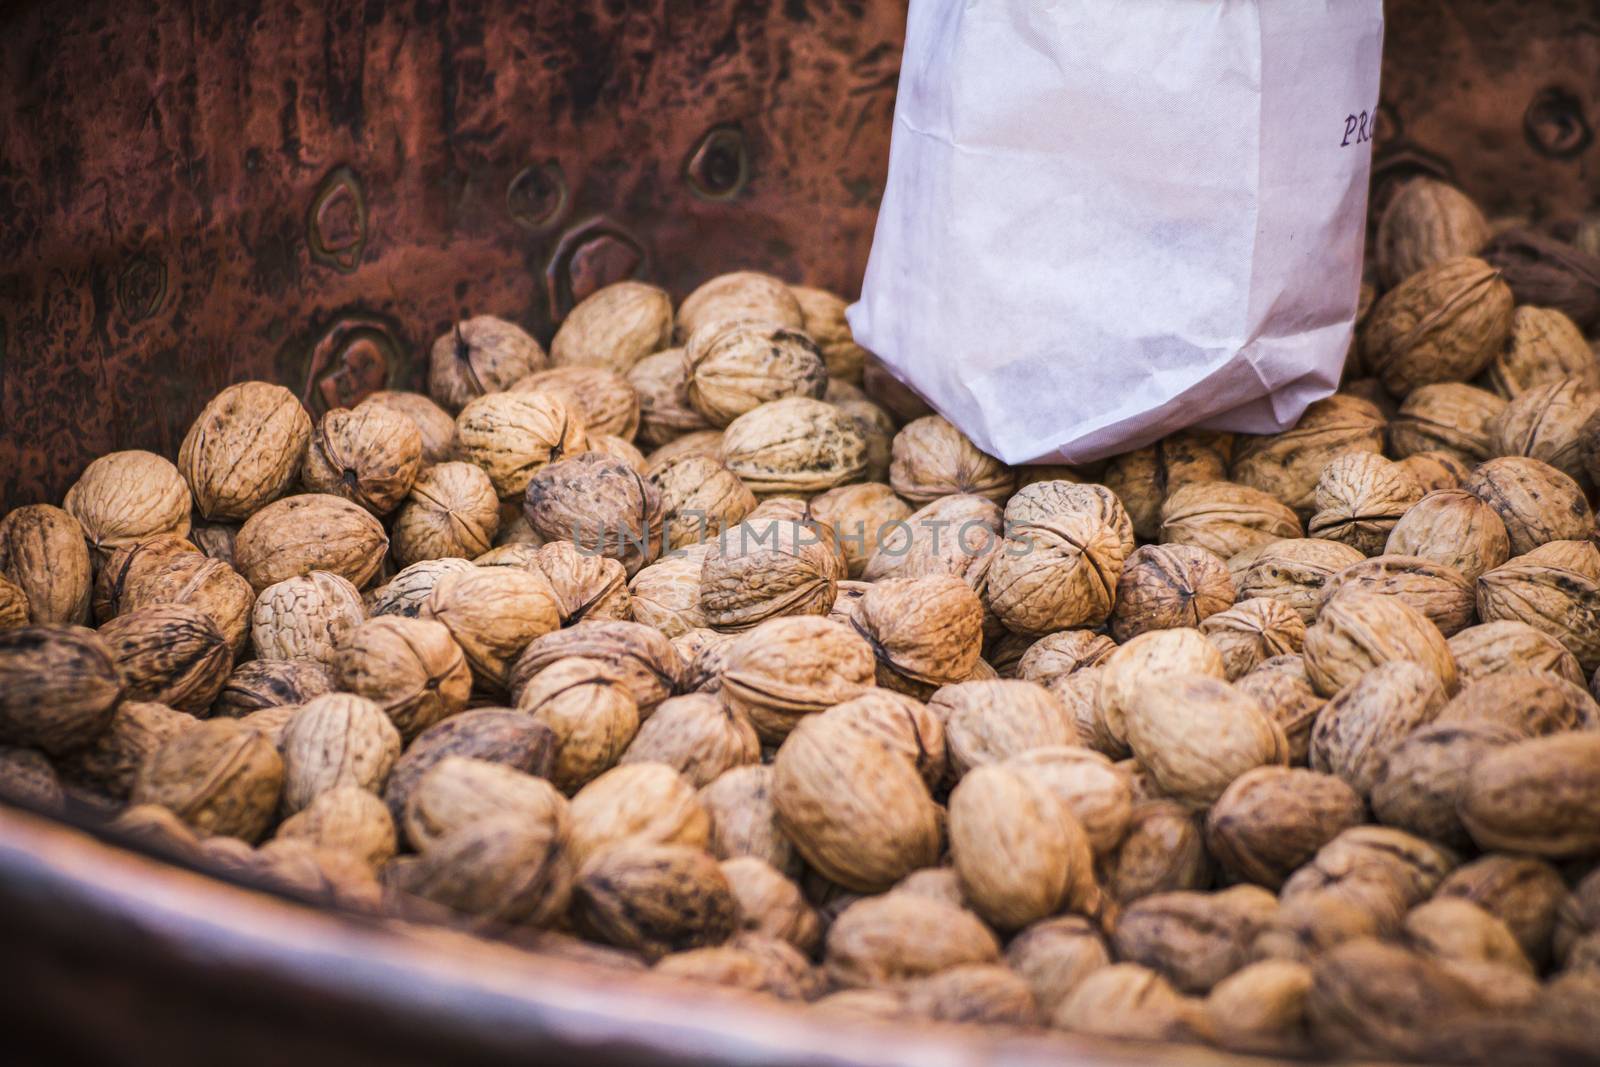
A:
(407, 592)
(481, 355)
(1548, 423)
(954, 535)
(860, 515)
(348, 819)
(1272, 819)
(593, 716)
(933, 459)
(877, 429)
(1454, 528)
(1130, 1002)
(1143, 478)
(1439, 591)
(1165, 586)
(586, 586)
(1418, 784)
(1284, 692)
(306, 617)
(886, 941)
(412, 668)
(601, 505)
(1444, 323)
(1454, 930)
(1545, 346)
(1195, 940)
(218, 776)
(158, 571)
(744, 294)
(1097, 792)
(244, 450)
(661, 382)
(857, 811)
(436, 430)
(1364, 722)
(458, 791)
(170, 654)
(110, 764)
(990, 721)
(735, 366)
(1360, 496)
(43, 550)
(1063, 653)
(123, 498)
(973, 994)
(1509, 645)
(13, 605)
(1294, 572)
(700, 498)
(59, 686)
(499, 735)
(697, 735)
(1058, 570)
(1356, 632)
(1381, 871)
(744, 821)
(1370, 999)
(1196, 734)
(369, 457)
(333, 740)
(1524, 893)
(1286, 465)
(1449, 417)
(270, 723)
(794, 445)
(514, 436)
(28, 778)
(501, 869)
(602, 399)
(616, 448)
(925, 632)
(1225, 518)
(1436, 470)
(1054, 956)
(643, 658)
(906, 726)
(1426, 222)
(822, 317)
(1529, 703)
(1536, 502)
(647, 803)
(752, 963)
(654, 899)
(311, 532)
(1163, 850)
(1261, 1009)
(666, 594)
(787, 668)
(701, 653)
(770, 904)
(614, 327)
(763, 569)
(1553, 589)
(452, 512)
(493, 613)
(1253, 631)
(1147, 660)
(1540, 796)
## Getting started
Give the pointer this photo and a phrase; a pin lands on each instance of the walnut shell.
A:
(368, 456)
(1370, 716)
(1524, 893)
(1426, 222)
(271, 683)
(1272, 819)
(1381, 871)
(654, 899)
(744, 294)
(1054, 956)
(601, 505)
(794, 445)
(514, 436)
(1284, 692)
(589, 709)
(1225, 518)
(1360, 496)
(458, 791)
(28, 778)
(991, 721)
(1143, 478)
(822, 317)
(744, 820)
(310, 532)
(501, 869)
(1444, 323)
(925, 632)
(1536, 502)
(1055, 571)
(1556, 589)
(1356, 632)
(973, 994)
(1165, 586)
(406, 594)
(661, 382)
(954, 535)
(43, 550)
(1540, 796)
(110, 764)
(436, 430)
(336, 739)
(762, 569)
(752, 963)
(170, 654)
(1286, 465)
(770, 904)
(348, 819)
(883, 942)
(13, 605)
(602, 399)
(1063, 653)
(1370, 999)
(614, 327)
(1547, 423)
(1454, 930)
(411, 668)
(1293, 572)
(877, 429)
(1439, 591)
(1097, 792)
(735, 366)
(244, 450)
(59, 686)
(648, 803)
(699, 736)
(1130, 1002)
(857, 811)
(933, 459)
(1146, 660)
(860, 515)
(586, 586)
(1163, 850)
(1436, 470)
(452, 512)
(1545, 346)
(1195, 734)
(1310, 923)
(1195, 940)
(123, 498)
(1509, 645)
(787, 668)
(493, 613)
(307, 617)
(154, 572)
(480, 355)
(218, 776)
(1261, 1009)
(1529, 703)
(499, 735)
(643, 658)
(666, 594)
(1253, 631)
(1454, 528)
(700, 498)
(1418, 782)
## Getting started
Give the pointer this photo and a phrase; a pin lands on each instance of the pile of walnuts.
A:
(697, 644)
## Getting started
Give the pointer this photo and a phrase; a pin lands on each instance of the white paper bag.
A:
(1107, 220)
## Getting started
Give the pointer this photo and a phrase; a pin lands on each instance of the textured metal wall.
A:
(199, 191)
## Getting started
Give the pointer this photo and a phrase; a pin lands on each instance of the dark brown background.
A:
(193, 193)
